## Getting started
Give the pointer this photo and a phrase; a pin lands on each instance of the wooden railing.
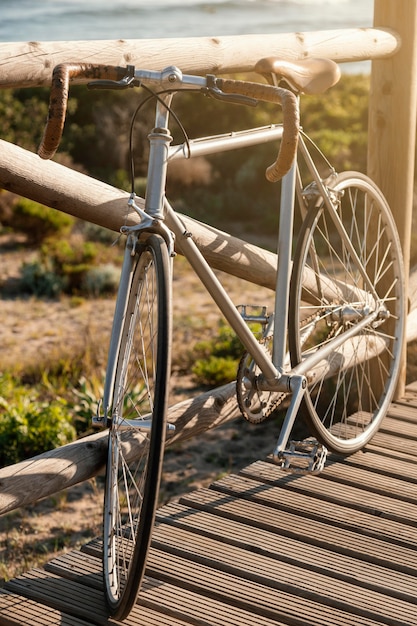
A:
(31, 64)
(392, 113)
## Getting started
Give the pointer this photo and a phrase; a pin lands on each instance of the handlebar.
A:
(59, 97)
(105, 76)
(291, 119)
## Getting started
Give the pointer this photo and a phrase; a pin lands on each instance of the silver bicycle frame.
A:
(275, 373)
(209, 279)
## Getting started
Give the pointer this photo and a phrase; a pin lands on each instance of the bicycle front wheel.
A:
(351, 387)
(138, 425)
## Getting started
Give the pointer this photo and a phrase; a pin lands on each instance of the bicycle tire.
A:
(348, 395)
(140, 393)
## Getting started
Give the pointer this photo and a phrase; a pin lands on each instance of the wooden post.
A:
(392, 120)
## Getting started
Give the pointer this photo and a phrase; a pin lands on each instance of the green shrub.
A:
(40, 280)
(23, 113)
(29, 425)
(62, 266)
(100, 280)
(216, 359)
(215, 370)
(39, 222)
(96, 233)
(86, 397)
(224, 344)
(70, 259)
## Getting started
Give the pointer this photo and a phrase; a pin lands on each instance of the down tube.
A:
(217, 292)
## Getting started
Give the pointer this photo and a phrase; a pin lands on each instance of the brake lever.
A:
(127, 81)
(213, 91)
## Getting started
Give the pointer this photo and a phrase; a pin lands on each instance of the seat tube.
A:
(159, 140)
(285, 235)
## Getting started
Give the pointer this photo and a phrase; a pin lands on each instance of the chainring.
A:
(256, 405)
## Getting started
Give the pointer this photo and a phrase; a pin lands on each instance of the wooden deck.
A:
(263, 548)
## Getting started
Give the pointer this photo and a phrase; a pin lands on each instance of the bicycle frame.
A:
(275, 373)
(336, 284)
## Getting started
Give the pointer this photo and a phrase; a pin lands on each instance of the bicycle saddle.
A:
(310, 76)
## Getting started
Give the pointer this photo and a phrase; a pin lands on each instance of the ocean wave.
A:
(113, 19)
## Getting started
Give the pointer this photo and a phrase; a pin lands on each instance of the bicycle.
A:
(334, 353)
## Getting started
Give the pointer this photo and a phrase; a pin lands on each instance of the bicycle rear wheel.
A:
(350, 389)
(138, 425)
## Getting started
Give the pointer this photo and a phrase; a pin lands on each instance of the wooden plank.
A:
(374, 482)
(282, 603)
(62, 595)
(400, 416)
(395, 433)
(78, 597)
(410, 397)
(165, 601)
(283, 577)
(246, 594)
(145, 616)
(388, 453)
(296, 525)
(337, 515)
(199, 609)
(292, 551)
(17, 610)
(351, 497)
(393, 442)
(80, 567)
(295, 610)
(411, 388)
(386, 462)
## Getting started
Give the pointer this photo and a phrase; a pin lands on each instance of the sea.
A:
(54, 20)
(69, 20)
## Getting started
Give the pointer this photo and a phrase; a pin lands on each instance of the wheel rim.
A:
(345, 410)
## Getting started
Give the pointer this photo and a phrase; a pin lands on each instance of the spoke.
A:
(349, 390)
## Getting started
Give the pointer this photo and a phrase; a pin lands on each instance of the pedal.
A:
(253, 313)
(303, 457)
